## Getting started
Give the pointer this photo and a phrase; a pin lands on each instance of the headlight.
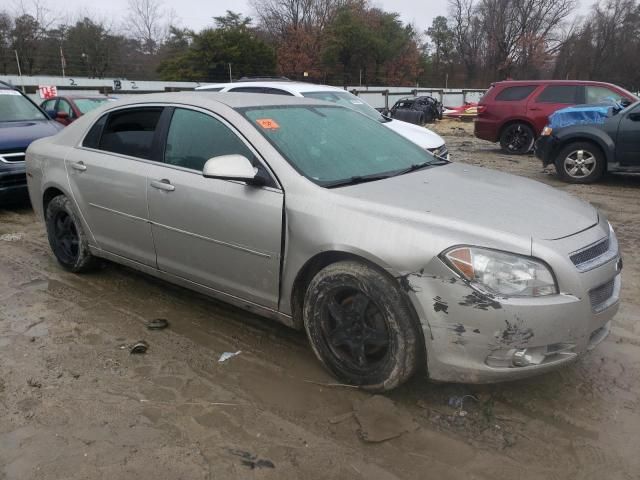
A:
(440, 152)
(502, 273)
(546, 131)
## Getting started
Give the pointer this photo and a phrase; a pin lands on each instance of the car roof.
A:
(289, 86)
(232, 100)
(552, 82)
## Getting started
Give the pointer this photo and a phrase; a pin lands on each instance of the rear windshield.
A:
(513, 94)
(87, 104)
(16, 108)
(347, 99)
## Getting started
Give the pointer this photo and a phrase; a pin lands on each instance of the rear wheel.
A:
(67, 238)
(580, 162)
(517, 138)
(360, 326)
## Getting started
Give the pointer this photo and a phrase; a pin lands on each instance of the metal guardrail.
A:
(464, 94)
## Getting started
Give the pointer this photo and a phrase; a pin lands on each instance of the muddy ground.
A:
(75, 404)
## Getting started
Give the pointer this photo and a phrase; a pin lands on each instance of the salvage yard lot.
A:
(75, 404)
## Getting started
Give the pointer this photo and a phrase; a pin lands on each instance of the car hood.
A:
(465, 196)
(19, 135)
(418, 135)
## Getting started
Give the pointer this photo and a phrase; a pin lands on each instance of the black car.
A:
(21, 122)
(418, 110)
(582, 153)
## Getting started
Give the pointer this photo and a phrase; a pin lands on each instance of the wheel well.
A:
(306, 274)
(311, 268)
(324, 259)
(511, 122)
(571, 140)
(49, 194)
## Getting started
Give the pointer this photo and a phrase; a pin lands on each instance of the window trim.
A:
(274, 182)
(155, 140)
(275, 186)
(526, 98)
(576, 97)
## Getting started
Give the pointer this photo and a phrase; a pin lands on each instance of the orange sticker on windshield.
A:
(268, 124)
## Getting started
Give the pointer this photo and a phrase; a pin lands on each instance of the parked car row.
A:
(584, 142)
(514, 113)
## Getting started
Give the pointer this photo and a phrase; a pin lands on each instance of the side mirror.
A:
(62, 115)
(232, 167)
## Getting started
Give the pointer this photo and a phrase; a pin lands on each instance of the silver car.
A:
(313, 214)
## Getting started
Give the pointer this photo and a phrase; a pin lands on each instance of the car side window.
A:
(559, 94)
(514, 94)
(602, 94)
(195, 137)
(92, 139)
(130, 132)
(64, 106)
(247, 90)
(276, 91)
(48, 105)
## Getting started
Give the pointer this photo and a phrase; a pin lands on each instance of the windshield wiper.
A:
(356, 180)
(420, 166)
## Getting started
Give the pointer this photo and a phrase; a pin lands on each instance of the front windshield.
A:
(87, 104)
(349, 100)
(16, 108)
(330, 144)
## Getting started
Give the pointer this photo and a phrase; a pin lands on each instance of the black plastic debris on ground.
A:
(157, 324)
(250, 460)
(139, 347)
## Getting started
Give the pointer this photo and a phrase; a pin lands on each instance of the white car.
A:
(421, 136)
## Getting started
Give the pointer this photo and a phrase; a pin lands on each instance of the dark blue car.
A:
(21, 122)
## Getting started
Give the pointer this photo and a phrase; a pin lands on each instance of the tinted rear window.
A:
(513, 94)
(559, 94)
(130, 132)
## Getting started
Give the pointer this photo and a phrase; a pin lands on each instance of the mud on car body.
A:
(391, 259)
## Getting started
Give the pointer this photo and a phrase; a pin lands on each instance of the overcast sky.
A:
(197, 14)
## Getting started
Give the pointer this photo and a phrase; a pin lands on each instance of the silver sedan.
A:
(312, 214)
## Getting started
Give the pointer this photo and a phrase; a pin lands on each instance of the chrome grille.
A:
(12, 157)
(590, 253)
(599, 296)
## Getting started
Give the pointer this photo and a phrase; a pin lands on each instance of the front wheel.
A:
(517, 139)
(580, 162)
(67, 238)
(360, 326)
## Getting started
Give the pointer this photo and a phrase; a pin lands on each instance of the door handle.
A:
(80, 166)
(535, 109)
(163, 184)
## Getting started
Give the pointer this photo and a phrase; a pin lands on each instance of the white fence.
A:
(378, 97)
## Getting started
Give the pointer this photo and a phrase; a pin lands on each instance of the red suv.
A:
(515, 112)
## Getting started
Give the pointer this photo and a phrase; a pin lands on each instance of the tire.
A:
(67, 238)
(517, 139)
(580, 162)
(360, 326)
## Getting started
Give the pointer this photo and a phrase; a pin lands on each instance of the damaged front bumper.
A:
(474, 338)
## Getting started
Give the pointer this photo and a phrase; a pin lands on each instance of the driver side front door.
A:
(223, 234)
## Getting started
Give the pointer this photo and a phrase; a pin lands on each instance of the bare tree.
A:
(146, 23)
